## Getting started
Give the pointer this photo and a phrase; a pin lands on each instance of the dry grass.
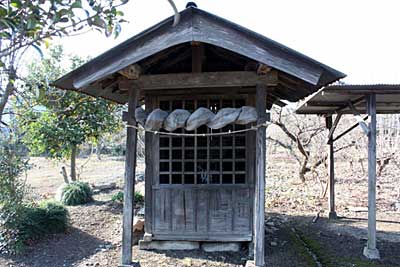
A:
(44, 177)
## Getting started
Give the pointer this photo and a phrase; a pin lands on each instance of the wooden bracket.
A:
(347, 131)
(359, 119)
(263, 69)
(132, 72)
(333, 127)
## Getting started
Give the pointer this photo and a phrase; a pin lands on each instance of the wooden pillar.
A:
(151, 150)
(370, 251)
(331, 171)
(259, 201)
(129, 181)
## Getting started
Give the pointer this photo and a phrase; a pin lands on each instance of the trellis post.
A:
(129, 181)
(331, 170)
(370, 251)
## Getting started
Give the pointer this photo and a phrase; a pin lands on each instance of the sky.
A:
(358, 37)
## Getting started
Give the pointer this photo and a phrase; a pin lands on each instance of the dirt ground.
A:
(95, 233)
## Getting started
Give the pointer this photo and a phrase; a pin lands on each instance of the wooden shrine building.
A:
(207, 183)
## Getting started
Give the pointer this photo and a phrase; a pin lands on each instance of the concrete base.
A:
(250, 264)
(372, 254)
(332, 215)
(168, 245)
(220, 247)
(134, 264)
(148, 237)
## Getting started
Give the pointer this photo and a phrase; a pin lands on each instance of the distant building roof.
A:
(335, 99)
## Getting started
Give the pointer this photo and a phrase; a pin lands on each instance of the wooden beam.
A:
(201, 80)
(359, 119)
(370, 251)
(129, 181)
(197, 57)
(259, 202)
(331, 166)
(333, 127)
(347, 131)
(354, 102)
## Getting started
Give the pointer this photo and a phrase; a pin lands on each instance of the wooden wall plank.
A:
(202, 211)
(174, 212)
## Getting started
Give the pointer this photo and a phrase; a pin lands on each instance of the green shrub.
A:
(33, 222)
(12, 191)
(76, 193)
(36, 221)
(119, 197)
(139, 197)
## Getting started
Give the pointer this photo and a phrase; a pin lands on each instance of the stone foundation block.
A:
(168, 245)
(220, 247)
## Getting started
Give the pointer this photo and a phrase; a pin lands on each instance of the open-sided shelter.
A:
(204, 184)
(337, 100)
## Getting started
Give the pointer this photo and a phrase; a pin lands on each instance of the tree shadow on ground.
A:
(59, 250)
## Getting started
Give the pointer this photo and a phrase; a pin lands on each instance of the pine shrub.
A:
(76, 193)
(119, 197)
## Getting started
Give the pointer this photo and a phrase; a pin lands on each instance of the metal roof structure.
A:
(335, 99)
(163, 43)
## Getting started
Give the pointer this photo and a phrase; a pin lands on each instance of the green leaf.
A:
(47, 42)
(5, 35)
(31, 23)
(77, 4)
(9, 23)
(16, 3)
(97, 21)
(117, 30)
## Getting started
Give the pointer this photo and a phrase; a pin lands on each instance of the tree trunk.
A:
(10, 88)
(99, 147)
(73, 164)
(303, 170)
(64, 174)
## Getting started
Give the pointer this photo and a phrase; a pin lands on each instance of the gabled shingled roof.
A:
(200, 26)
